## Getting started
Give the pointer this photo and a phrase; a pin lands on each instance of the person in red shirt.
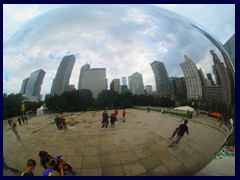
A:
(116, 113)
(63, 122)
(123, 114)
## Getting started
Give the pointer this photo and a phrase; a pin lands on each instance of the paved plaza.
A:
(138, 146)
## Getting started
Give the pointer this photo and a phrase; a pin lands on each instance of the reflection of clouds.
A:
(124, 39)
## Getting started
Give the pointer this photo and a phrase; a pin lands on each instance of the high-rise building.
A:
(124, 81)
(229, 46)
(164, 85)
(33, 87)
(24, 85)
(124, 89)
(135, 83)
(180, 88)
(213, 94)
(192, 79)
(209, 77)
(94, 80)
(84, 68)
(61, 82)
(202, 77)
(222, 78)
(148, 89)
(115, 85)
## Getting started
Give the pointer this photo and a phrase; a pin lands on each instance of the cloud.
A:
(123, 39)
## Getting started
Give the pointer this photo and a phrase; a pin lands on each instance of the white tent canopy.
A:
(184, 108)
(40, 111)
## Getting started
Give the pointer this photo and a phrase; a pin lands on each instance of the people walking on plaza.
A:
(26, 119)
(182, 129)
(23, 119)
(123, 114)
(105, 119)
(14, 128)
(148, 108)
(116, 113)
(112, 120)
(174, 133)
(19, 121)
(63, 122)
(58, 122)
(10, 122)
(54, 163)
(31, 164)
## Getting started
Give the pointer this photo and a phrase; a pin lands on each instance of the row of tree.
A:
(12, 105)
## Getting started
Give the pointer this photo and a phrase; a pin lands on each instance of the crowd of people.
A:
(113, 118)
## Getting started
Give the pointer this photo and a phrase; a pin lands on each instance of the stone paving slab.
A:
(138, 146)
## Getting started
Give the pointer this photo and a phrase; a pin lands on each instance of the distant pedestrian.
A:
(10, 122)
(174, 133)
(19, 121)
(63, 122)
(58, 122)
(14, 128)
(182, 129)
(23, 119)
(148, 108)
(105, 119)
(31, 164)
(116, 113)
(123, 114)
(26, 119)
(112, 120)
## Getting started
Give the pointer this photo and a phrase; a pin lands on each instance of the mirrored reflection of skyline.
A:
(130, 38)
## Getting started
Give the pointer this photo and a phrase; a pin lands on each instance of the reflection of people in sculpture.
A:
(182, 129)
(31, 164)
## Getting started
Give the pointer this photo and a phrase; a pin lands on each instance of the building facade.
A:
(229, 46)
(33, 87)
(180, 88)
(164, 84)
(148, 89)
(84, 68)
(94, 80)
(24, 85)
(61, 82)
(213, 94)
(124, 81)
(192, 79)
(115, 85)
(135, 83)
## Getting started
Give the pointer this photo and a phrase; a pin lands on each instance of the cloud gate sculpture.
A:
(177, 57)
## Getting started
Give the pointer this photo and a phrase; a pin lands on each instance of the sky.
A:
(99, 39)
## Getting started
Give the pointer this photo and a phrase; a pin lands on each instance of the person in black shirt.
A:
(182, 129)
(31, 164)
(105, 119)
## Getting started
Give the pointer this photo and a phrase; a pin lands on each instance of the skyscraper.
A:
(124, 81)
(86, 67)
(222, 78)
(192, 79)
(24, 85)
(180, 88)
(202, 77)
(148, 89)
(135, 83)
(115, 85)
(94, 80)
(209, 77)
(164, 85)
(33, 87)
(229, 46)
(61, 82)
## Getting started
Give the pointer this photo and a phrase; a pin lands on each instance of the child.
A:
(112, 120)
(174, 133)
(31, 164)
(14, 128)
(48, 171)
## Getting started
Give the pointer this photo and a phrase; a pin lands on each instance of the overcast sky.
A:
(130, 38)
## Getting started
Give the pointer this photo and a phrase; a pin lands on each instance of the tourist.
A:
(31, 164)
(14, 128)
(174, 133)
(63, 122)
(116, 113)
(112, 120)
(58, 122)
(123, 114)
(105, 119)
(49, 169)
(45, 157)
(26, 119)
(148, 108)
(10, 122)
(19, 121)
(182, 129)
